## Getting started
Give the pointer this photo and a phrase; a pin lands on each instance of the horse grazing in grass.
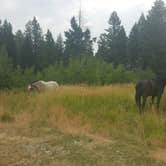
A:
(42, 85)
(153, 88)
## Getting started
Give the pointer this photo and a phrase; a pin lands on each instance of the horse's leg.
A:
(153, 100)
(139, 103)
(144, 102)
(158, 101)
(138, 100)
(152, 103)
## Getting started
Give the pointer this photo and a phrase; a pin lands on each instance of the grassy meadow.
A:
(80, 125)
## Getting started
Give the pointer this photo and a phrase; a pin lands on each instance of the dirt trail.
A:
(159, 154)
(59, 149)
(48, 150)
(21, 145)
(24, 151)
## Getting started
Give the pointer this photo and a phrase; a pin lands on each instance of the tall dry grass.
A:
(108, 111)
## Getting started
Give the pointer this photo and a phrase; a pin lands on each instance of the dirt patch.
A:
(60, 149)
(158, 143)
(25, 151)
(17, 150)
(159, 155)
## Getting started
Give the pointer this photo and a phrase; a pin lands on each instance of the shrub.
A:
(87, 71)
(6, 117)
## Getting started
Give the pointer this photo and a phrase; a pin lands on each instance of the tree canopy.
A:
(31, 49)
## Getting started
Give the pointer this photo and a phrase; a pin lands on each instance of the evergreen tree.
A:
(74, 40)
(59, 46)
(50, 55)
(1, 42)
(121, 48)
(133, 51)
(78, 42)
(103, 48)
(27, 57)
(19, 39)
(7, 39)
(117, 40)
(113, 43)
(5, 68)
(88, 43)
(34, 41)
(37, 41)
(137, 46)
(156, 37)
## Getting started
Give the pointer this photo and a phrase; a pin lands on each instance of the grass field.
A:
(80, 125)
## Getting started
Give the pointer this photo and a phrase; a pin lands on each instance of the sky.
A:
(56, 14)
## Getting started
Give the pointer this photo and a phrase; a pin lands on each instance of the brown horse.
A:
(153, 88)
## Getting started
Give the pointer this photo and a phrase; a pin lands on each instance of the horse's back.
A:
(51, 84)
(43, 85)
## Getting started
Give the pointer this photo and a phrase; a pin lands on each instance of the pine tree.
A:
(6, 68)
(50, 54)
(121, 48)
(7, 39)
(59, 46)
(78, 43)
(137, 46)
(113, 43)
(34, 41)
(88, 43)
(133, 48)
(156, 37)
(27, 58)
(1, 34)
(103, 48)
(19, 39)
(74, 40)
(37, 41)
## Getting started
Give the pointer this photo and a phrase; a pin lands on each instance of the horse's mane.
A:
(159, 77)
(34, 81)
(33, 84)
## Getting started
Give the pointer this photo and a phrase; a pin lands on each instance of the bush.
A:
(5, 69)
(6, 117)
(88, 71)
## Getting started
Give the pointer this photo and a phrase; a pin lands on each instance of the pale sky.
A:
(56, 14)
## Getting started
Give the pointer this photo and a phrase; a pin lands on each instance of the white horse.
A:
(42, 85)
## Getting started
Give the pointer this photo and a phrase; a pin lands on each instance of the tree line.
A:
(30, 54)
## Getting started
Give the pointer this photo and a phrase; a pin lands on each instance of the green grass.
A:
(107, 109)
(79, 111)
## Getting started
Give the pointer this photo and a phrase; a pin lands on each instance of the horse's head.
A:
(162, 79)
(30, 87)
(33, 86)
